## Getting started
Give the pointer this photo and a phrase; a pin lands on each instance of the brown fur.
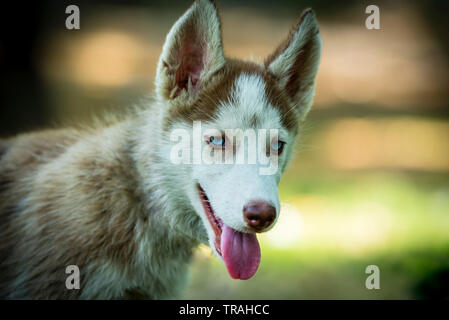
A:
(209, 100)
(287, 41)
(298, 74)
(67, 200)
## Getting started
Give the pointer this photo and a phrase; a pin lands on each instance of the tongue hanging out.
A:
(240, 252)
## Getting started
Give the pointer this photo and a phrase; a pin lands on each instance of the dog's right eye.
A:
(217, 141)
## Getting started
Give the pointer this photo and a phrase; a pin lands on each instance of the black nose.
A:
(259, 215)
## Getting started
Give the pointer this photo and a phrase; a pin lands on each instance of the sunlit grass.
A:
(371, 211)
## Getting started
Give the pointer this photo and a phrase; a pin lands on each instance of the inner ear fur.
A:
(295, 62)
(191, 54)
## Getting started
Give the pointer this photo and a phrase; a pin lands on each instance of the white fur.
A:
(231, 187)
(306, 32)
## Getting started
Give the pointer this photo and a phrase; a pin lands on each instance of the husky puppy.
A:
(111, 200)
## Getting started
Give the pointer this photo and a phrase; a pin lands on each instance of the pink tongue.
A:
(240, 252)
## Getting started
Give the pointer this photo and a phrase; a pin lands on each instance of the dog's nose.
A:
(259, 215)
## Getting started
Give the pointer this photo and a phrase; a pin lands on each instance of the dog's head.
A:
(231, 126)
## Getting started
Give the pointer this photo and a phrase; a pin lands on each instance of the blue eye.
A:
(278, 147)
(217, 141)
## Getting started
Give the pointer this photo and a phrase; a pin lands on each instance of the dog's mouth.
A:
(215, 222)
(240, 251)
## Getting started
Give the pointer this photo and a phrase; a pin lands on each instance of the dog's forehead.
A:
(244, 96)
(248, 105)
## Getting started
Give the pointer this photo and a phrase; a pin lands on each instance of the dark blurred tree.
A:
(22, 96)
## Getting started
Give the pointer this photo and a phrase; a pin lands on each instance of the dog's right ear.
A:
(191, 54)
(295, 62)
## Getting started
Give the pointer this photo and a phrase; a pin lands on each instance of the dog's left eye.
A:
(217, 141)
(278, 146)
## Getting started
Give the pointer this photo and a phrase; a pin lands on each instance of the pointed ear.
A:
(295, 62)
(191, 54)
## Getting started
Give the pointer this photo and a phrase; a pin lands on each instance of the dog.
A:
(110, 200)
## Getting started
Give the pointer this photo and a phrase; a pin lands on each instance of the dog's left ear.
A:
(295, 62)
(191, 54)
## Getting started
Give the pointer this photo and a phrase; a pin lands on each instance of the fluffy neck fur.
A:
(162, 182)
(100, 199)
(170, 229)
